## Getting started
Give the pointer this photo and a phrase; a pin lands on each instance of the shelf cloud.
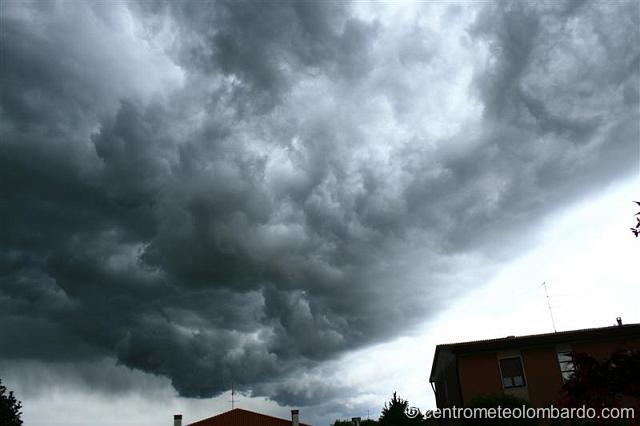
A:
(218, 192)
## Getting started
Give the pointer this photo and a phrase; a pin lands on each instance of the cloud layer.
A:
(239, 192)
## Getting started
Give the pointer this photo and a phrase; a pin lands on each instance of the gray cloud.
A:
(231, 191)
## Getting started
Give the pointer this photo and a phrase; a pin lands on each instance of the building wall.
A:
(479, 372)
(447, 386)
(600, 350)
(543, 374)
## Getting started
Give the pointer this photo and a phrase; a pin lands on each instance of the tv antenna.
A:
(233, 396)
(544, 284)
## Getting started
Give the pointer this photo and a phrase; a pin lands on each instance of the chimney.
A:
(295, 417)
(177, 420)
(619, 320)
(355, 421)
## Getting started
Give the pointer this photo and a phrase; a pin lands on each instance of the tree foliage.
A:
(394, 413)
(636, 229)
(9, 408)
(365, 422)
(603, 383)
(504, 401)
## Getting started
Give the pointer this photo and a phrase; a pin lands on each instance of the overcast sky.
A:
(303, 198)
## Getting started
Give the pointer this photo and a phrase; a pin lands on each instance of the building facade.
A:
(532, 367)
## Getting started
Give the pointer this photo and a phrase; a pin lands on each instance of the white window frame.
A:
(525, 385)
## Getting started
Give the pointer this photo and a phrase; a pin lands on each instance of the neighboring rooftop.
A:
(240, 417)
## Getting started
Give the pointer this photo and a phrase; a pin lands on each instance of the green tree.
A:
(603, 383)
(636, 228)
(9, 408)
(395, 412)
(365, 422)
(504, 401)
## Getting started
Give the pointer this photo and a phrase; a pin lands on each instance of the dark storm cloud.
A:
(286, 38)
(232, 191)
(102, 376)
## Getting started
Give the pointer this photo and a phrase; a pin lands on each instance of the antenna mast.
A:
(544, 284)
(233, 394)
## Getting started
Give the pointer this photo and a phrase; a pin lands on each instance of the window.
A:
(512, 373)
(566, 365)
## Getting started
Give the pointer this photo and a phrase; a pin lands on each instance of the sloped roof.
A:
(240, 417)
(510, 342)
(560, 336)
